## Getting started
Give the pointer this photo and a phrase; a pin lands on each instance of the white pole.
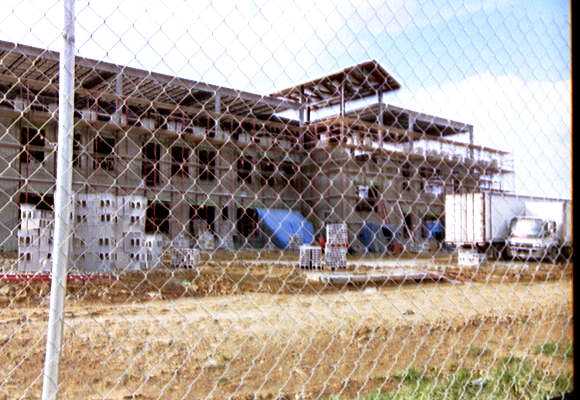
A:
(62, 206)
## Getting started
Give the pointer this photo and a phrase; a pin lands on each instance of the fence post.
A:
(62, 206)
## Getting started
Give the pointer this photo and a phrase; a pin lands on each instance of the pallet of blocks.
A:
(336, 246)
(310, 257)
(184, 258)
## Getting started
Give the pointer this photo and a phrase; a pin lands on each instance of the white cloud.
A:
(531, 119)
(259, 46)
(251, 44)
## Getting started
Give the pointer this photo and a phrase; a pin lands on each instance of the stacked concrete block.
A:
(182, 241)
(206, 241)
(183, 255)
(184, 258)
(154, 246)
(34, 218)
(199, 226)
(28, 251)
(335, 257)
(35, 239)
(295, 242)
(134, 211)
(310, 257)
(337, 234)
(226, 235)
(131, 253)
(336, 246)
(79, 253)
(470, 258)
(108, 234)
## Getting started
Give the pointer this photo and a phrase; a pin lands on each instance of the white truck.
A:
(502, 224)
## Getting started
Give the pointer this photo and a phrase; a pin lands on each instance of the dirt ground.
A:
(266, 332)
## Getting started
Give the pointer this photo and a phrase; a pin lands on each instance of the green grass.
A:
(548, 349)
(569, 351)
(513, 378)
(553, 349)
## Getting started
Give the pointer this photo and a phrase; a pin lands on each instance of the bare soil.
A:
(241, 332)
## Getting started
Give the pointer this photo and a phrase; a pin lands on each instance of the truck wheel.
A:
(553, 255)
(493, 253)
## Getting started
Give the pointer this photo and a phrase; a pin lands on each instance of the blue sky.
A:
(501, 65)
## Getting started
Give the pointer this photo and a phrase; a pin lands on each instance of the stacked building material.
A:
(226, 235)
(295, 242)
(206, 241)
(108, 234)
(154, 246)
(35, 239)
(184, 257)
(336, 246)
(310, 257)
(470, 258)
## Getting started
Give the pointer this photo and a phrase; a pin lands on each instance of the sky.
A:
(501, 65)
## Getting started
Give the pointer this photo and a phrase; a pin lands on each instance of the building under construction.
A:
(207, 157)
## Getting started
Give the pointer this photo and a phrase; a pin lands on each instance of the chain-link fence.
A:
(327, 200)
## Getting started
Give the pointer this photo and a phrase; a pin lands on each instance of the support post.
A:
(471, 142)
(342, 100)
(63, 199)
(411, 130)
(380, 117)
(119, 103)
(218, 110)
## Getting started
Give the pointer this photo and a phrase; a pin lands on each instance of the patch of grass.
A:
(548, 349)
(553, 349)
(569, 351)
(476, 352)
(411, 376)
(513, 378)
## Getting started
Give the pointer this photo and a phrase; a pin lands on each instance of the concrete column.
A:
(380, 117)
(218, 110)
(119, 93)
(342, 100)
(412, 119)
(471, 142)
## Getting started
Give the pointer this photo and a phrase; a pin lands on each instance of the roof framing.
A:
(355, 82)
(425, 123)
(245, 102)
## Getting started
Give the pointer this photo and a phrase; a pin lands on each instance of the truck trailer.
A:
(507, 225)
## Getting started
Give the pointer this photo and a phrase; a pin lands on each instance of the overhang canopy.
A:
(397, 117)
(358, 81)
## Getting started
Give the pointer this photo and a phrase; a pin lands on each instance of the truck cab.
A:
(533, 238)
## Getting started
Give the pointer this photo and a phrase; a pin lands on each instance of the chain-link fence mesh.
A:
(327, 200)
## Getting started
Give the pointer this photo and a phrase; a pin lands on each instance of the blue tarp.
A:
(283, 224)
(376, 237)
(434, 229)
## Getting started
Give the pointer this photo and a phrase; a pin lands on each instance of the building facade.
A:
(206, 157)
